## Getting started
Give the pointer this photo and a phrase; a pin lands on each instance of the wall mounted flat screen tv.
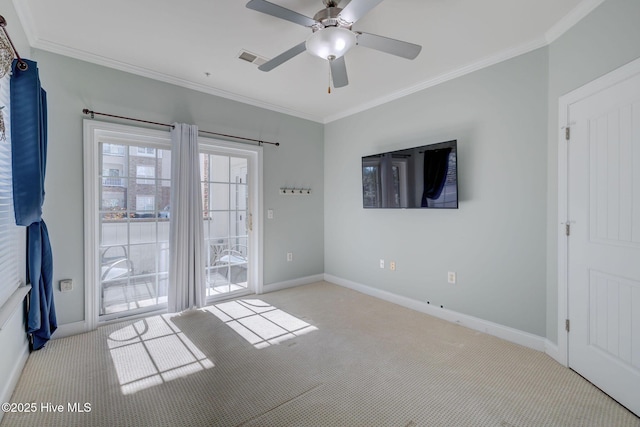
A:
(420, 177)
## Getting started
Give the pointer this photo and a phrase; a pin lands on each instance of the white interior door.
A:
(604, 244)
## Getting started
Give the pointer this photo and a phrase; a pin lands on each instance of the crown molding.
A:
(27, 22)
(583, 8)
(459, 72)
(567, 22)
(145, 72)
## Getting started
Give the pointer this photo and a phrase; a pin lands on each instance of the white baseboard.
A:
(552, 351)
(507, 333)
(8, 388)
(292, 283)
(69, 329)
(16, 354)
(81, 327)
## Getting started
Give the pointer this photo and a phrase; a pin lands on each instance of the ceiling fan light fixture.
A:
(330, 42)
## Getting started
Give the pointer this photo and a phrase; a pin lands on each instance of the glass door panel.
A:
(224, 195)
(134, 229)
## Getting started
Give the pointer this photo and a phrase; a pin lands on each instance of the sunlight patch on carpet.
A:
(152, 351)
(260, 323)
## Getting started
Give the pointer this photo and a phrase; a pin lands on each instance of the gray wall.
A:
(495, 241)
(501, 242)
(604, 40)
(73, 85)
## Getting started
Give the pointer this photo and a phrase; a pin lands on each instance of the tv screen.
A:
(420, 177)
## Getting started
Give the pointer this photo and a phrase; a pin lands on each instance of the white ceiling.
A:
(181, 41)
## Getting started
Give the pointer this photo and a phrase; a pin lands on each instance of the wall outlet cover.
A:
(66, 285)
(451, 277)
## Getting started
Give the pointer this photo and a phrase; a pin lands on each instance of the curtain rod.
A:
(22, 65)
(258, 141)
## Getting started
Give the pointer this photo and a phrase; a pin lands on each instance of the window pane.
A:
(163, 165)
(114, 231)
(142, 232)
(145, 203)
(219, 196)
(163, 231)
(238, 196)
(163, 198)
(145, 151)
(143, 258)
(145, 171)
(219, 226)
(109, 150)
(135, 186)
(141, 201)
(206, 197)
(114, 192)
(219, 167)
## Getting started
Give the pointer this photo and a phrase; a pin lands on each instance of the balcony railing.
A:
(113, 182)
(134, 279)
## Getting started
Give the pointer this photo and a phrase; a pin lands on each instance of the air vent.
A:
(252, 57)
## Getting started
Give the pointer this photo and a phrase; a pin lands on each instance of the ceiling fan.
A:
(332, 35)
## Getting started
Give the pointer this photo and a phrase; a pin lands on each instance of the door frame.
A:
(254, 182)
(93, 130)
(610, 79)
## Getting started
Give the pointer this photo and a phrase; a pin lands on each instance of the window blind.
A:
(9, 232)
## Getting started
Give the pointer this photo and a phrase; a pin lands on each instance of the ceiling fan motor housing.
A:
(329, 17)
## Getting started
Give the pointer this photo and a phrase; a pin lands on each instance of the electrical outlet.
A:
(289, 256)
(66, 285)
(269, 213)
(392, 266)
(451, 277)
(381, 263)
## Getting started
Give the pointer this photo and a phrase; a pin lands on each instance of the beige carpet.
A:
(317, 355)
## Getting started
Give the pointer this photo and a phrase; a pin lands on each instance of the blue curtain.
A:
(29, 161)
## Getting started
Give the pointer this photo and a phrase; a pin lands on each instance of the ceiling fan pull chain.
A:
(329, 88)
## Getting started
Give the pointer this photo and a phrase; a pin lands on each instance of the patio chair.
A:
(235, 261)
(116, 270)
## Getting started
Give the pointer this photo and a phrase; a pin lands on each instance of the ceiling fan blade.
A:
(283, 57)
(392, 46)
(356, 9)
(280, 12)
(339, 72)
